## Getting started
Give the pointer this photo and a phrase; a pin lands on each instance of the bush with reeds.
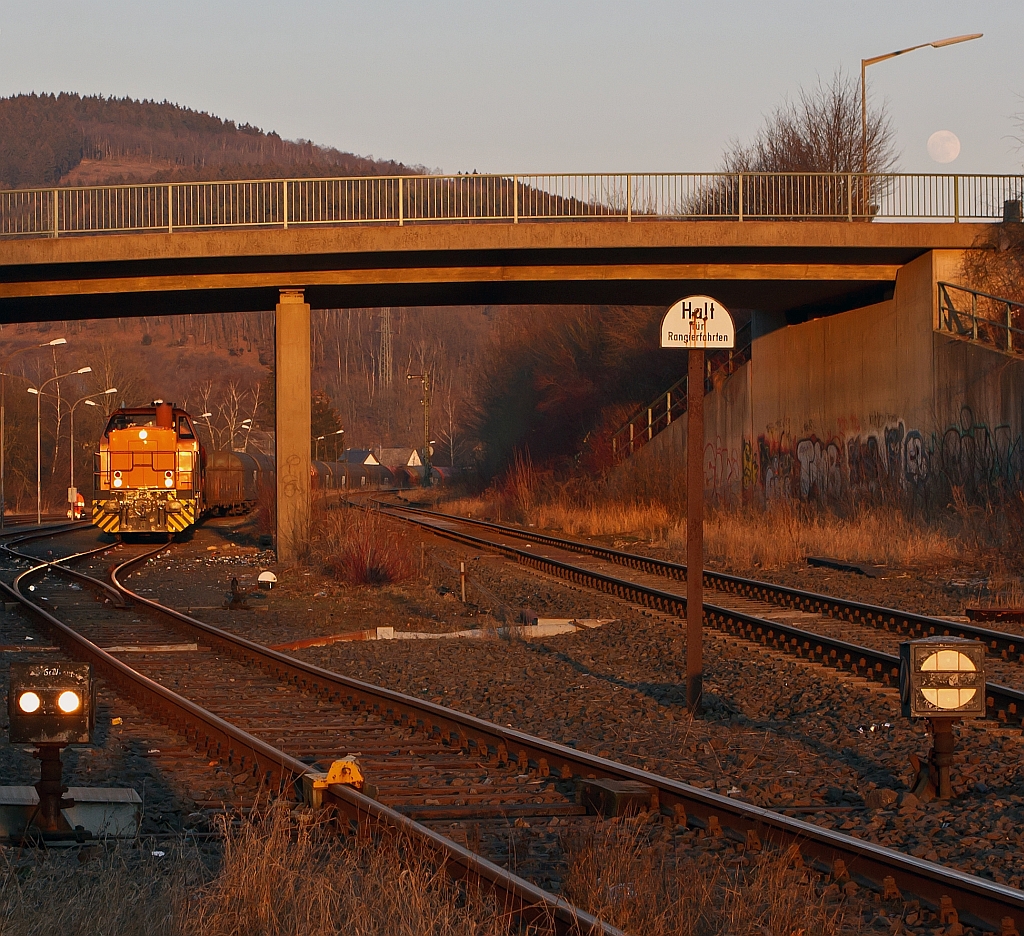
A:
(361, 547)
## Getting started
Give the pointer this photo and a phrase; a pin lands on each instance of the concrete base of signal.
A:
(102, 812)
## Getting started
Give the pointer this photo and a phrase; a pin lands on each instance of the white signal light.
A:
(118, 482)
(69, 702)
(143, 434)
(169, 482)
(28, 702)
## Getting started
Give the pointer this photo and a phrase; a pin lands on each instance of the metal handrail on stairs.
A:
(990, 320)
(658, 415)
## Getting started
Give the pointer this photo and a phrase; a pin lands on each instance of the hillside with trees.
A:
(67, 139)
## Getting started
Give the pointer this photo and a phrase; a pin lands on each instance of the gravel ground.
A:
(776, 731)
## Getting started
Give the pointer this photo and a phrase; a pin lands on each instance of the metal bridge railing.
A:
(659, 414)
(743, 196)
(978, 316)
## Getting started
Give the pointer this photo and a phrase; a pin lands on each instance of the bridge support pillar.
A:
(293, 425)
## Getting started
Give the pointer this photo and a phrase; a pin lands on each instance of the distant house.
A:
(399, 458)
(356, 456)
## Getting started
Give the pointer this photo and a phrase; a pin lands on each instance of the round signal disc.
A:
(29, 702)
(69, 702)
(949, 698)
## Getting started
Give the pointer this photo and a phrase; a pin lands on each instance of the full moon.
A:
(943, 146)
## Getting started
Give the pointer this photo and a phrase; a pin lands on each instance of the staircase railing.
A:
(658, 415)
(978, 316)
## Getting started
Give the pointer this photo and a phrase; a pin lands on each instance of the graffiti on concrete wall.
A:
(885, 458)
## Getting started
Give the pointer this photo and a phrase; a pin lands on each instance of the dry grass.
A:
(273, 880)
(782, 534)
(644, 889)
(361, 547)
(611, 518)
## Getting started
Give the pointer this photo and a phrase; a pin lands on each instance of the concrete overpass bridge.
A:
(798, 245)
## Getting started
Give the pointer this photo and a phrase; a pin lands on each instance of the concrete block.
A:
(103, 811)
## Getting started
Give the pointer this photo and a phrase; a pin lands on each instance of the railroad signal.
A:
(941, 679)
(51, 703)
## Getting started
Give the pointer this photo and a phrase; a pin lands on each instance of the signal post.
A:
(694, 324)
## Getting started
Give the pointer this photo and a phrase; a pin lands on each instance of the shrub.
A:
(362, 548)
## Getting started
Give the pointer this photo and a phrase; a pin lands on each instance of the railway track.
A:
(742, 607)
(437, 772)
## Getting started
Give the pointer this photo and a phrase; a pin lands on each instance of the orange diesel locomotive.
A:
(149, 471)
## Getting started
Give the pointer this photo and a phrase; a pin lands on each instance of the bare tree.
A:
(818, 133)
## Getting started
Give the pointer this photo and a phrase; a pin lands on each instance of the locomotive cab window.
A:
(130, 420)
(185, 428)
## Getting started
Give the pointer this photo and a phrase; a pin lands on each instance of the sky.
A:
(534, 85)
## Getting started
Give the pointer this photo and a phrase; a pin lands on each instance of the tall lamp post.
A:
(3, 394)
(427, 450)
(38, 391)
(71, 444)
(938, 44)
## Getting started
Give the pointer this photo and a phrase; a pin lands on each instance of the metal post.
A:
(56, 213)
(39, 458)
(284, 200)
(1009, 326)
(849, 196)
(956, 199)
(401, 202)
(462, 579)
(629, 197)
(170, 209)
(740, 205)
(694, 529)
(515, 199)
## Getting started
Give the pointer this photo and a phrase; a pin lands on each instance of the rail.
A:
(989, 320)
(283, 203)
(658, 415)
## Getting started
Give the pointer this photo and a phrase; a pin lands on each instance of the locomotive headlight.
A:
(69, 702)
(143, 434)
(28, 702)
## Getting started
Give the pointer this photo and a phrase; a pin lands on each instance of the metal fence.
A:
(981, 317)
(744, 196)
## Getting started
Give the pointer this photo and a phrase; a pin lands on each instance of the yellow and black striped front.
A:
(144, 511)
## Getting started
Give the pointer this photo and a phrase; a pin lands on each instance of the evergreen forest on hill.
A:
(67, 139)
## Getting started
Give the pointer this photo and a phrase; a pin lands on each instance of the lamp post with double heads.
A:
(938, 44)
(88, 401)
(38, 391)
(3, 395)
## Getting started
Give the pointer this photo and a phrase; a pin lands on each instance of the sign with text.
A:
(698, 322)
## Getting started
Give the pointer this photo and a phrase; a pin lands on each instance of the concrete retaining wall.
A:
(869, 401)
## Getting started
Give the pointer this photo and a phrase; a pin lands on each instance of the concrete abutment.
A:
(864, 402)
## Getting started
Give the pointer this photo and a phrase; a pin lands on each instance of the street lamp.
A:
(938, 44)
(427, 451)
(71, 443)
(209, 428)
(38, 391)
(3, 393)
